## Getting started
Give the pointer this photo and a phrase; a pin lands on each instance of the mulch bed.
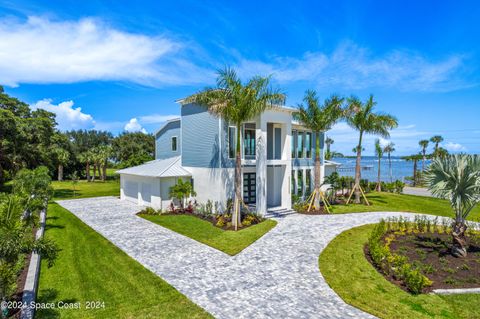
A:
(18, 295)
(431, 254)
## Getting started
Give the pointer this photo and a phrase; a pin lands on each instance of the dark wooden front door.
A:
(249, 189)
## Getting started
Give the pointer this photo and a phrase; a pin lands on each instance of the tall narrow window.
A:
(174, 144)
(294, 143)
(308, 145)
(300, 144)
(308, 182)
(249, 143)
(300, 182)
(231, 142)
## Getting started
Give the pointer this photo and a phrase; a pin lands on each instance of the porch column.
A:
(261, 164)
(287, 156)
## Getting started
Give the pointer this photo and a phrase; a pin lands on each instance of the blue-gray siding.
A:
(163, 141)
(200, 140)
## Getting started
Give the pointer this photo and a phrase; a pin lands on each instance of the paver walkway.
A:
(275, 277)
(418, 191)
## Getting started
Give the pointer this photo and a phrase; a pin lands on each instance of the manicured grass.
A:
(357, 282)
(403, 203)
(90, 268)
(230, 242)
(83, 189)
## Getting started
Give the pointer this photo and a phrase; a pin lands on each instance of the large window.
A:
(300, 145)
(249, 143)
(308, 182)
(174, 144)
(294, 140)
(300, 182)
(308, 145)
(231, 142)
(292, 188)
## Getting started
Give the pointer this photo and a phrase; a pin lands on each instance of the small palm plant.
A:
(457, 179)
(319, 118)
(237, 102)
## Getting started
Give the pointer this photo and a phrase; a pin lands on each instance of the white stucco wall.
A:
(147, 190)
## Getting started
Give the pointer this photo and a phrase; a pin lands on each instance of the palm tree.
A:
(328, 142)
(104, 153)
(437, 139)
(423, 144)
(86, 158)
(379, 154)
(389, 149)
(457, 179)
(237, 102)
(415, 158)
(62, 159)
(319, 119)
(361, 117)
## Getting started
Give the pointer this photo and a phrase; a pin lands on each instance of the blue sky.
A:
(118, 66)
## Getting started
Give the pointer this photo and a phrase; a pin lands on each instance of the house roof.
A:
(332, 163)
(169, 167)
(165, 124)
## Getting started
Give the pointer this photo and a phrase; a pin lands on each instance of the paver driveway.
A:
(276, 277)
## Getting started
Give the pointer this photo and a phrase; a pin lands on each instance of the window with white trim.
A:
(174, 143)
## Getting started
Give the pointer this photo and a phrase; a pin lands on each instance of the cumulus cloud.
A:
(353, 67)
(454, 147)
(67, 117)
(134, 126)
(40, 50)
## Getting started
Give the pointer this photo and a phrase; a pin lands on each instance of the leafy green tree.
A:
(424, 144)
(319, 118)
(181, 191)
(379, 154)
(34, 187)
(457, 179)
(389, 149)
(133, 148)
(436, 140)
(362, 118)
(237, 102)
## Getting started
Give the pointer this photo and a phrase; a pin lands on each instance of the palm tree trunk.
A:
(238, 182)
(459, 245)
(88, 171)
(318, 172)
(379, 182)
(358, 170)
(60, 172)
(104, 177)
(414, 172)
(423, 160)
(390, 167)
(94, 171)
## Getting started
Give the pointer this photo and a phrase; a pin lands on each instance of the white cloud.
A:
(354, 67)
(156, 118)
(67, 117)
(134, 126)
(454, 147)
(40, 50)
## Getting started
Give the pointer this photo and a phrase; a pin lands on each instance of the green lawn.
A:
(90, 268)
(83, 189)
(230, 242)
(405, 203)
(358, 283)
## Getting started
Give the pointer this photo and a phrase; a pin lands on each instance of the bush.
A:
(149, 211)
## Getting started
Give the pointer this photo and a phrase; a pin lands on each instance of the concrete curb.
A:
(456, 291)
(31, 283)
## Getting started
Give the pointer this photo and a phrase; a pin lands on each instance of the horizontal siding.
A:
(200, 140)
(163, 141)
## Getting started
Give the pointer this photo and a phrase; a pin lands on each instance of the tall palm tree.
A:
(437, 139)
(62, 159)
(424, 144)
(237, 102)
(457, 179)
(319, 118)
(414, 158)
(86, 158)
(389, 149)
(379, 154)
(362, 118)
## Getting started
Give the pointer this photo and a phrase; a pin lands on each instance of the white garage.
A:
(149, 184)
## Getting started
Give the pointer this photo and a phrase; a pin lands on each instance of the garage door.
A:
(146, 192)
(131, 190)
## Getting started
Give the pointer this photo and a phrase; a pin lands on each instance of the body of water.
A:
(400, 168)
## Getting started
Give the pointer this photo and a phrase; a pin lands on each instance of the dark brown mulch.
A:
(431, 254)
(18, 295)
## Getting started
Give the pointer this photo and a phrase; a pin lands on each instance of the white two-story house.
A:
(277, 160)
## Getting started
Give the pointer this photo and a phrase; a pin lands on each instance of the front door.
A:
(249, 189)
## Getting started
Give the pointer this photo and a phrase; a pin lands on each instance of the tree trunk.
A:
(60, 172)
(390, 167)
(459, 244)
(105, 171)
(236, 216)
(414, 172)
(423, 160)
(94, 171)
(318, 172)
(379, 182)
(88, 171)
(358, 170)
